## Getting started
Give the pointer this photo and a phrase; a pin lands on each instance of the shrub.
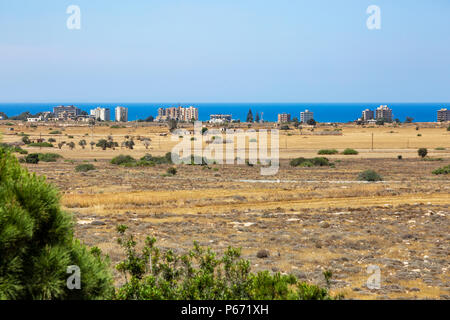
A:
(422, 152)
(399, 157)
(123, 160)
(440, 148)
(202, 274)
(51, 140)
(303, 162)
(349, 151)
(55, 132)
(49, 157)
(26, 140)
(41, 144)
(166, 159)
(369, 175)
(172, 171)
(443, 170)
(85, 167)
(37, 243)
(328, 151)
(32, 158)
(285, 127)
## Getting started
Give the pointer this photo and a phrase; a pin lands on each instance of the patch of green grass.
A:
(41, 144)
(443, 170)
(328, 151)
(49, 157)
(85, 167)
(370, 176)
(303, 162)
(349, 151)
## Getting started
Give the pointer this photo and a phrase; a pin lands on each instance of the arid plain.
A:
(309, 219)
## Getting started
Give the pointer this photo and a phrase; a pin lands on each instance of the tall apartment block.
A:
(306, 115)
(367, 115)
(65, 113)
(121, 114)
(383, 112)
(284, 117)
(443, 115)
(178, 113)
(104, 114)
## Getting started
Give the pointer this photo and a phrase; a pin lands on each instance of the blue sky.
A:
(225, 51)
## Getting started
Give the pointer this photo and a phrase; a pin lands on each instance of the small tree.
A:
(92, 143)
(82, 143)
(422, 152)
(37, 244)
(249, 116)
(71, 145)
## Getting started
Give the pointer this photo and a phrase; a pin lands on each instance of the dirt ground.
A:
(309, 219)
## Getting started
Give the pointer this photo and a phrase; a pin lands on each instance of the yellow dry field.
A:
(310, 219)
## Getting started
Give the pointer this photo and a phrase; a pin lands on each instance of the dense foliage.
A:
(349, 151)
(370, 176)
(201, 274)
(303, 162)
(37, 244)
(328, 151)
(443, 170)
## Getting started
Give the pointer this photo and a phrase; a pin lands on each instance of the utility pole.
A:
(372, 141)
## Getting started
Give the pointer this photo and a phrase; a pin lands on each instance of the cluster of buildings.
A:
(178, 114)
(72, 113)
(305, 116)
(220, 118)
(383, 112)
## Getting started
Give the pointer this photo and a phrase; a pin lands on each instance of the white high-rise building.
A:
(121, 114)
(104, 114)
(306, 115)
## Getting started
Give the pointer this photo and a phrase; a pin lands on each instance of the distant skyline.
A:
(243, 51)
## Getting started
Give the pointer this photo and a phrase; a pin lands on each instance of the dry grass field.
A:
(310, 219)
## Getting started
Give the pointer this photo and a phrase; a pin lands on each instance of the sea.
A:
(323, 112)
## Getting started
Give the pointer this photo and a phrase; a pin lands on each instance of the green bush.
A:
(369, 175)
(32, 158)
(422, 152)
(328, 151)
(166, 159)
(349, 151)
(443, 170)
(37, 244)
(51, 140)
(201, 274)
(123, 160)
(85, 167)
(172, 171)
(55, 132)
(41, 144)
(303, 162)
(12, 148)
(49, 157)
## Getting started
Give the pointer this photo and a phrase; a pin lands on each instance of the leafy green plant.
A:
(123, 160)
(55, 132)
(37, 244)
(349, 151)
(443, 170)
(172, 171)
(328, 151)
(201, 274)
(85, 167)
(369, 175)
(41, 144)
(32, 158)
(422, 152)
(303, 162)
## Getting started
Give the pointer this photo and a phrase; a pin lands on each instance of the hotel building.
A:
(121, 114)
(443, 115)
(306, 115)
(383, 112)
(284, 117)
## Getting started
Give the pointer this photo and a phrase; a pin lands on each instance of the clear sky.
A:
(225, 51)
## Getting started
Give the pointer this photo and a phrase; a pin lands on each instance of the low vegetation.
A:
(443, 170)
(202, 274)
(349, 151)
(422, 152)
(327, 151)
(41, 144)
(303, 162)
(370, 176)
(85, 167)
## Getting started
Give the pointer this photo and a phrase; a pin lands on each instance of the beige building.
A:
(367, 115)
(383, 112)
(178, 113)
(284, 117)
